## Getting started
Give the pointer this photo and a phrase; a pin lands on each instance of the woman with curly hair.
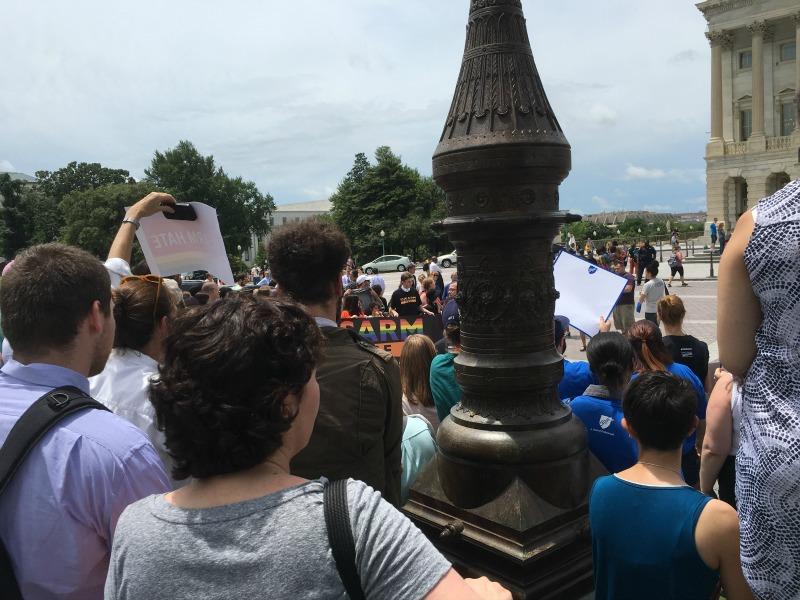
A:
(650, 354)
(144, 308)
(244, 527)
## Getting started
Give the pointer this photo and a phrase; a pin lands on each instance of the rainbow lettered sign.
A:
(172, 246)
(390, 333)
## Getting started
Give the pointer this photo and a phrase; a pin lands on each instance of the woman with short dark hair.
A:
(650, 354)
(244, 527)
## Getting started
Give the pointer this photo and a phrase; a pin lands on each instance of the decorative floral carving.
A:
(762, 28)
(720, 38)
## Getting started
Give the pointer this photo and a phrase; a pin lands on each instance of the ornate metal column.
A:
(508, 495)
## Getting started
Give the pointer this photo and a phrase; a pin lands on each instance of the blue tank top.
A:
(643, 542)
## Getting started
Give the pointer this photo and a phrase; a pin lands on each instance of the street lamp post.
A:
(507, 495)
(383, 243)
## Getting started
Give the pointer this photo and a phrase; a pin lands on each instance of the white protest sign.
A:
(171, 246)
(586, 292)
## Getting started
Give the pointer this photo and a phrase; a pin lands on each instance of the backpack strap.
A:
(31, 427)
(340, 536)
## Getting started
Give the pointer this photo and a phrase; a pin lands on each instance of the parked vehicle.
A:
(389, 262)
(448, 260)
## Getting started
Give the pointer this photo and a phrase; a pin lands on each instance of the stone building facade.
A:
(755, 82)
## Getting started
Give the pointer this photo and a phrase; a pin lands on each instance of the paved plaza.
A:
(700, 299)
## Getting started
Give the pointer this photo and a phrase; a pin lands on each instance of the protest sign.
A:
(390, 333)
(586, 292)
(171, 246)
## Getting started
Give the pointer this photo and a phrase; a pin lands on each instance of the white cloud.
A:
(659, 208)
(699, 203)
(291, 114)
(602, 115)
(685, 56)
(319, 193)
(6, 167)
(604, 204)
(634, 172)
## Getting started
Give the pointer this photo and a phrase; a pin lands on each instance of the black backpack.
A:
(31, 427)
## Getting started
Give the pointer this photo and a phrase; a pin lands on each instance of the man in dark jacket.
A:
(358, 431)
(647, 254)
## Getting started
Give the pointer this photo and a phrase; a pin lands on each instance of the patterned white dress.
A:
(768, 462)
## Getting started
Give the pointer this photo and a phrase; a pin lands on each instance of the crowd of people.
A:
(238, 434)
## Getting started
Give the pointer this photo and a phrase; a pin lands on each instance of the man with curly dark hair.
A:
(359, 429)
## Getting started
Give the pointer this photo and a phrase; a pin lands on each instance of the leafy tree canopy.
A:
(392, 197)
(79, 176)
(92, 216)
(191, 177)
(15, 222)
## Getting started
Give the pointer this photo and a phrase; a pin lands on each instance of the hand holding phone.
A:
(181, 212)
(151, 204)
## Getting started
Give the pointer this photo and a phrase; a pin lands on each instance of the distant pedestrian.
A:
(712, 230)
(722, 237)
(675, 263)
(652, 291)
(647, 254)
(623, 310)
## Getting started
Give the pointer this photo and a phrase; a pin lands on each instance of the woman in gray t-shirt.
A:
(244, 527)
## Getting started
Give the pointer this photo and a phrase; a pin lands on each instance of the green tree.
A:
(42, 202)
(388, 196)
(79, 176)
(44, 214)
(583, 230)
(261, 255)
(15, 221)
(92, 216)
(189, 176)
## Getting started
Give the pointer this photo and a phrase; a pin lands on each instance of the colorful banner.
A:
(172, 246)
(390, 333)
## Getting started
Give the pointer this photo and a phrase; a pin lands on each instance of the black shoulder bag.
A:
(31, 427)
(340, 536)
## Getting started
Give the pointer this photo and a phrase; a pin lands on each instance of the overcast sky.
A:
(285, 93)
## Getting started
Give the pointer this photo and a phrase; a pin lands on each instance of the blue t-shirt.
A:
(643, 542)
(608, 441)
(713, 228)
(577, 377)
(685, 372)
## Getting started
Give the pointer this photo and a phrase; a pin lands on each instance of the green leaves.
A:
(191, 177)
(92, 216)
(392, 197)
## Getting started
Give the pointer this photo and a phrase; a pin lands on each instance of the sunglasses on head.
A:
(150, 279)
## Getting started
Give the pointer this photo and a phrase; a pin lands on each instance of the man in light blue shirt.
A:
(58, 514)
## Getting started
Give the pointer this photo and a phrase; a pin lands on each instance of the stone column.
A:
(797, 73)
(717, 39)
(757, 188)
(759, 30)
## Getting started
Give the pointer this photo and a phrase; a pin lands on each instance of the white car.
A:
(448, 260)
(389, 262)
